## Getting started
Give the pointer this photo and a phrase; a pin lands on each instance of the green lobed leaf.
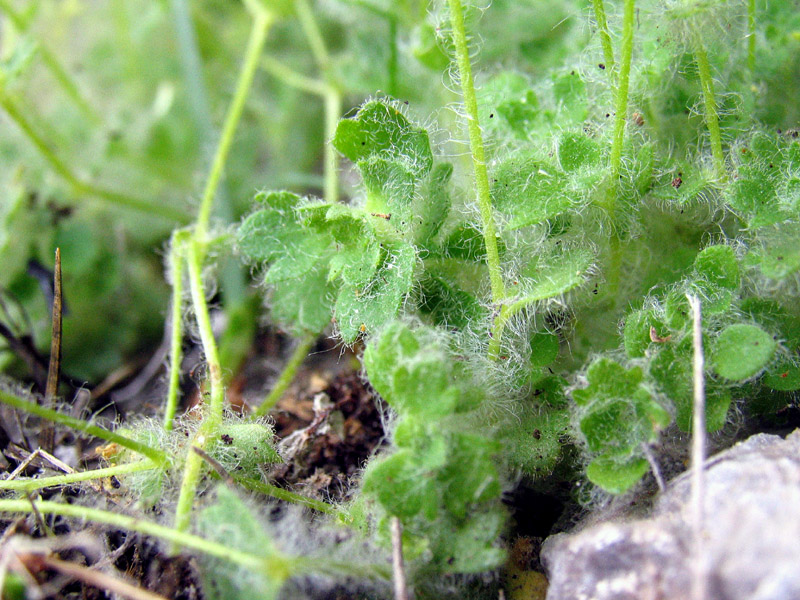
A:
(529, 190)
(273, 235)
(672, 372)
(552, 275)
(637, 336)
(305, 303)
(718, 265)
(741, 351)
(616, 477)
(366, 308)
(576, 151)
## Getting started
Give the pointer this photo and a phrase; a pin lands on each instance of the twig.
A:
(47, 433)
(698, 452)
(35, 561)
(398, 569)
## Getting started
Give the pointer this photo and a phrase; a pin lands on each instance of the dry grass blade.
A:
(47, 434)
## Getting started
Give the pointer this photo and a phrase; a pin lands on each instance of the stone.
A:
(751, 535)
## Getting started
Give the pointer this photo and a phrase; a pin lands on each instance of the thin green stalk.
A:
(59, 72)
(179, 538)
(477, 150)
(333, 110)
(14, 401)
(313, 35)
(233, 280)
(287, 375)
(286, 495)
(30, 485)
(332, 96)
(276, 565)
(213, 416)
(605, 38)
(712, 119)
(177, 256)
(621, 103)
(80, 186)
(392, 67)
(258, 35)
(191, 478)
(292, 78)
(751, 36)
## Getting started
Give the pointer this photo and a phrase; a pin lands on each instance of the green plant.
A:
(521, 297)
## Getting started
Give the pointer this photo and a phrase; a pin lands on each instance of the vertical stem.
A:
(258, 35)
(332, 97)
(621, 104)
(698, 451)
(313, 35)
(333, 109)
(605, 38)
(477, 150)
(177, 255)
(398, 568)
(392, 66)
(712, 119)
(191, 477)
(213, 416)
(287, 375)
(751, 36)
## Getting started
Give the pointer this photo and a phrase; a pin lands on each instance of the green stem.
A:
(332, 96)
(294, 79)
(14, 401)
(621, 116)
(751, 36)
(477, 150)
(392, 66)
(286, 495)
(333, 110)
(213, 417)
(177, 255)
(313, 35)
(712, 119)
(30, 485)
(287, 375)
(191, 478)
(80, 186)
(179, 538)
(605, 38)
(262, 21)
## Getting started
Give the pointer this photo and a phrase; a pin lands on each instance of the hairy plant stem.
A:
(605, 38)
(177, 256)
(621, 106)
(710, 104)
(751, 36)
(477, 150)
(79, 186)
(15, 401)
(179, 538)
(195, 254)
(281, 494)
(60, 74)
(30, 485)
(255, 44)
(287, 375)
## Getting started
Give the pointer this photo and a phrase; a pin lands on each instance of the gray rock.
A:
(751, 536)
